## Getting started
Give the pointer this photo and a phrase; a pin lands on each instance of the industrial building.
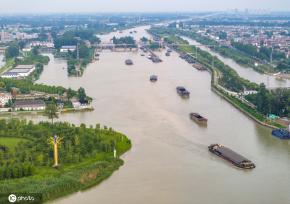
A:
(20, 71)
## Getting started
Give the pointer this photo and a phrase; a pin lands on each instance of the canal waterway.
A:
(169, 162)
(246, 72)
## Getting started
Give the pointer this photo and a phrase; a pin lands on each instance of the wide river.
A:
(169, 162)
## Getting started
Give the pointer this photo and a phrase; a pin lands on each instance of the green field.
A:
(11, 142)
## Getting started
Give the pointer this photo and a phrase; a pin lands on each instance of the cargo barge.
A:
(129, 62)
(182, 92)
(231, 156)
(198, 118)
(153, 78)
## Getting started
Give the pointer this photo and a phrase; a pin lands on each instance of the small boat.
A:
(156, 59)
(153, 78)
(129, 62)
(281, 134)
(182, 92)
(231, 156)
(198, 118)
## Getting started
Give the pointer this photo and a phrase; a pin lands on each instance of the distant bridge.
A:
(117, 47)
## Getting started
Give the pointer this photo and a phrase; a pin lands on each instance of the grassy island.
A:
(86, 157)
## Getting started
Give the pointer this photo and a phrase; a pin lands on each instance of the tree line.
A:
(271, 102)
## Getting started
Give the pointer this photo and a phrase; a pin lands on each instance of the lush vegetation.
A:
(238, 56)
(85, 156)
(127, 42)
(272, 102)
(80, 58)
(72, 37)
(284, 65)
(12, 50)
(262, 53)
(26, 86)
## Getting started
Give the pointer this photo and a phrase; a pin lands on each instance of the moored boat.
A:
(231, 156)
(153, 78)
(129, 62)
(182, 92)
(198, 118)
(281, 134)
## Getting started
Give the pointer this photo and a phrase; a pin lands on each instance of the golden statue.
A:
(55, 141)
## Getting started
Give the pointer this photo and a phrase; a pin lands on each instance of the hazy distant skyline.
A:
(58, 6)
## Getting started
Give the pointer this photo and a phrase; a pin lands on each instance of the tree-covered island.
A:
(86, 156)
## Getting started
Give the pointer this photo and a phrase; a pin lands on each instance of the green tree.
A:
(82, 95)
(70, 93)
(51, 111)
(35, 50)
(12, 51)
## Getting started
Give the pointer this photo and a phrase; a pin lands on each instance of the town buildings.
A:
(4, 98)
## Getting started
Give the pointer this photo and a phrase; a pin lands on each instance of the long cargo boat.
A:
(231, 156)
(198, 118)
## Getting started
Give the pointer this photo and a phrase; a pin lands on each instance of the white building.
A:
(21, 71)
(42, 44)
(4, 98)
(68, 48)
(250, 92)
(29, 105)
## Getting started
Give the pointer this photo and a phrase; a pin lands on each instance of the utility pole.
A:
(271, 57)
(78, 53)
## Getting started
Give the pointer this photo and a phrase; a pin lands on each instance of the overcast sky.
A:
(47, 6)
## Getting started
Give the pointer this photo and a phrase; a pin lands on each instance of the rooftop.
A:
(24, 66)
(29, 103)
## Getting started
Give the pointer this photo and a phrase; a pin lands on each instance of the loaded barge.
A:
(182, 92)
(231, 156)
(153, 78)
(129, 62)
(198, 118)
